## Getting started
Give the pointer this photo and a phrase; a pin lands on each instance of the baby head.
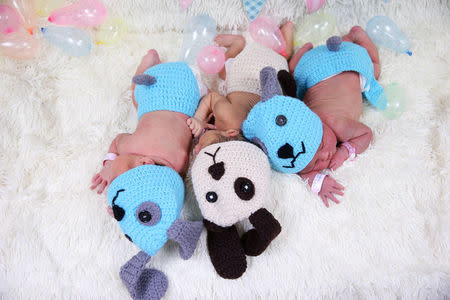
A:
(284, 127)
(146, 200)
(217, 136)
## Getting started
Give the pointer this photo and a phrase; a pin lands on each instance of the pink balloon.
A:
(25, 9)
(266, 32)
(84, 13)
(184, 4)
(18, 44)
(313, 5)
(9, 19)
(211, 59)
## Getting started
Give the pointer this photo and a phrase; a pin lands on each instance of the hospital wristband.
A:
(109, 156)
(316, 185)
(351, 151)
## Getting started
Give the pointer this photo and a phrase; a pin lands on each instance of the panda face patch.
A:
(231, 181)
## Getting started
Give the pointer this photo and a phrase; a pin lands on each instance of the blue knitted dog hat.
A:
(327, 60)
(167, 86)
(146, 200)
(284, 127)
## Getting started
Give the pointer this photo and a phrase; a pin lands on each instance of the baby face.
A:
(325, 152)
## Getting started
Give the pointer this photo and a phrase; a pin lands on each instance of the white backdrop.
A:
(389, 238)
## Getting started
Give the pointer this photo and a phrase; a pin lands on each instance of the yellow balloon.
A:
(45, 7)
(316, 28)
(111, 31)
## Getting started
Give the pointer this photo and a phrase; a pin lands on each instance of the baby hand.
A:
(338, 158)
(102, 179)
(329, 188)
(197, 126)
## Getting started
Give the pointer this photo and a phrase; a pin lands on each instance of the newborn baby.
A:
(241, 72)
(307, 139)
(165, 97)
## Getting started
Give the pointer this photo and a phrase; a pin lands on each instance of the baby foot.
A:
(197, 126)
(149, 60)
(287, 30)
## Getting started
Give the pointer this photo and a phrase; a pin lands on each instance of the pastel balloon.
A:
(20, 45)
(211, 59)
(315, 29)
(45, 7)
(84, 13)
(9, 19)
(384, 32)
(111, 31)
(198, 33)
(396, 101)
(184, 4)
(71, 40)
(314, 5)
(264, 31)
(25, 9)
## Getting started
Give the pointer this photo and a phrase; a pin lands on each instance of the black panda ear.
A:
(287, 83)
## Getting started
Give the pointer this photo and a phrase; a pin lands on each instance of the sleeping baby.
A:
(241, 72)
(323, 131)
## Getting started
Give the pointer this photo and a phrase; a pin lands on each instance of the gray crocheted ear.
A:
(144, 79)
(333, 43)
(269, 83)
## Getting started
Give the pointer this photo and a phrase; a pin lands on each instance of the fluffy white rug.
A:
(389, 238)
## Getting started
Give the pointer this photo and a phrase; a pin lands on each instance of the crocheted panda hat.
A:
(146, 200)
(231, 181)
(284, 127)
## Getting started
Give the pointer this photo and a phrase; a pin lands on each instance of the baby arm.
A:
(357, 136)
(329, 187)
(102, 179)
(204, 111)
(234, 44)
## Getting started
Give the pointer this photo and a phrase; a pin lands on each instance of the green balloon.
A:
(395, 101)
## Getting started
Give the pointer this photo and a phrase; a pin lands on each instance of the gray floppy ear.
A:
(143, 79)
(269, 83)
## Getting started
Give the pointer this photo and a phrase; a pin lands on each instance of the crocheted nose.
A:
(217, 170)
(286, 151)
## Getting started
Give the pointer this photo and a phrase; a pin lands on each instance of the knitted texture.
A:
(186, 234)
(231, 181)
(320, 63)
(143, 283)
(243, 73)
(289, 131)
(149, 199)
(175, 89)
(225, 250)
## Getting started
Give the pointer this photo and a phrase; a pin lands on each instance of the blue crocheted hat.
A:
(284, 127)
(327, 60)
(167, 86)
(146, 200)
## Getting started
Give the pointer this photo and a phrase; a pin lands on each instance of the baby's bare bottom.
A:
(149, 60)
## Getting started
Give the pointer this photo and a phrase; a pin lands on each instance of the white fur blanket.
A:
(388, 239)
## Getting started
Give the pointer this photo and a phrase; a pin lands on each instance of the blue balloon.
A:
(199, 32)
(71, 40)
(384, 32)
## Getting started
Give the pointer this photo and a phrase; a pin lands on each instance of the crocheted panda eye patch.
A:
(230, 181)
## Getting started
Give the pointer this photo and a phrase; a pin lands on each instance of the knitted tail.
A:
(143, 283)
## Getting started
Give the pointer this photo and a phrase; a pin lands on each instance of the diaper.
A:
(243, 70)
(175, 88)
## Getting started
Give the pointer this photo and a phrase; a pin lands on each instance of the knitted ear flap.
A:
(269, 83)
(144, 79)
(287, 83)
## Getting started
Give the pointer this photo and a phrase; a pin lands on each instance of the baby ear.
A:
(287, 83)
(231, 132)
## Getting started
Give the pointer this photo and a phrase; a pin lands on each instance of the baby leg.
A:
(287, 30)
(296, 58)
(234, 44)
(353, 132)
(149, 60)
(358, 36)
